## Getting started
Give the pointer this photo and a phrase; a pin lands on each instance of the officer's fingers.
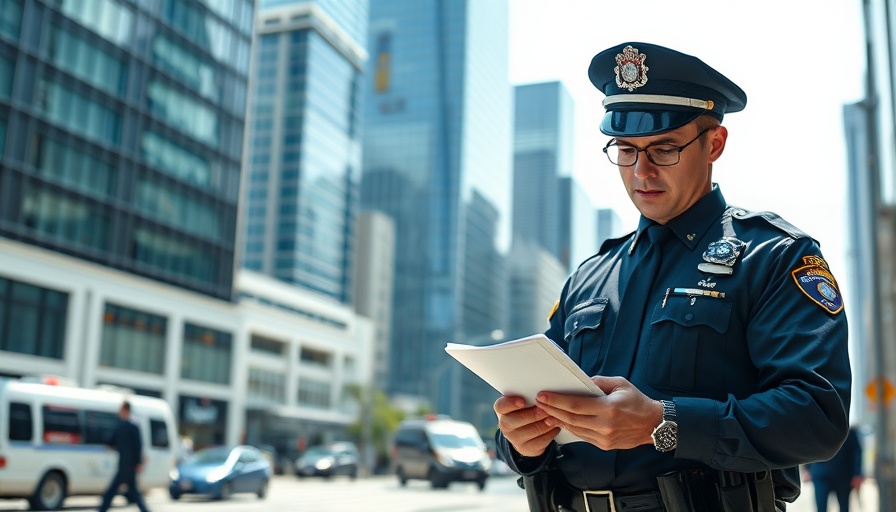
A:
(535, 446)
(610, 384)
(508, 404)
(520, 418)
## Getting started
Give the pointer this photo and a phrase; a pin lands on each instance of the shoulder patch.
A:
(554, 309)
(815, 280)
(770, 218)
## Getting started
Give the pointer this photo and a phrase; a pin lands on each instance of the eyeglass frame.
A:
(615, 142)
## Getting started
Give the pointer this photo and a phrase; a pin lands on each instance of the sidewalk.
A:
(866, 501)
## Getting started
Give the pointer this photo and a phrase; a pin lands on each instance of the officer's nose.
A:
(644, 168)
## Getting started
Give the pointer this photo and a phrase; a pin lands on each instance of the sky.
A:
(799, 61)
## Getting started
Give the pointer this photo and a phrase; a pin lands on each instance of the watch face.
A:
(665, 436)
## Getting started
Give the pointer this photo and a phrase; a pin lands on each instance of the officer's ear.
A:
(717, 139)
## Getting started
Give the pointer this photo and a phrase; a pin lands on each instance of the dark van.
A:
(442, 451)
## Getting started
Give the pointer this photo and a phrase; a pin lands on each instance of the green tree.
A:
(376, 423)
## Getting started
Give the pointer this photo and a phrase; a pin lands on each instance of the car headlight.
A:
(444, 459)
(323, 464)
(217, 474)
(174, 474)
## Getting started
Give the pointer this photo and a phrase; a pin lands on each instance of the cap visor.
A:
(634, 123)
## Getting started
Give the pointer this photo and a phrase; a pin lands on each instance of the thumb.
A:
(609, 384)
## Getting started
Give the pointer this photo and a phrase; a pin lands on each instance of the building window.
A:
(73, 167)
(187, 212)
(6, 67)
(108, 18)
(133, 340)
(206, 354)
(2, 136)
(267, 345)
(266, 387)
(183, 112)
(175, 160)
(78, 113)
(314, 393)
(66, 218)
(186, 66)
(175, 255)
(32, 319)
(84, 60)
(11, 18)
(315, 357)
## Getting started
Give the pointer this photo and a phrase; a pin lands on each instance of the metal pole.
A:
(884, 466)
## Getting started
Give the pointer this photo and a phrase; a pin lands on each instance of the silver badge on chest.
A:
(720, 256)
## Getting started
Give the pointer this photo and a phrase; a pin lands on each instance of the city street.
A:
(379, 494)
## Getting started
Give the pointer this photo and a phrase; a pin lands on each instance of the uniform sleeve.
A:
(799, 350)
(531, 465)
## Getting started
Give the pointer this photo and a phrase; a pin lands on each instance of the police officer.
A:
(717, 333)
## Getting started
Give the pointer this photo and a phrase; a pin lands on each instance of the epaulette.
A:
(770, 218)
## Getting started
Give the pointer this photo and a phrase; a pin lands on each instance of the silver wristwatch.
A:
(665, 435)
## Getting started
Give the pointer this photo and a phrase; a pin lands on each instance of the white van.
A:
(52, 441)
(440, 450)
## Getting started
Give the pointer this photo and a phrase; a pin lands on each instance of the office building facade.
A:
(122, 128)
(437, 150)
(303, 158)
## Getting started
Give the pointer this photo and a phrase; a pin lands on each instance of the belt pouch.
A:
(673, 492)
(765, 491)
(734, 492)
(538, 488)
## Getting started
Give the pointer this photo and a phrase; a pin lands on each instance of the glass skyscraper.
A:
(304, 155)
(542, 152)
(121, 129)
(437, 112)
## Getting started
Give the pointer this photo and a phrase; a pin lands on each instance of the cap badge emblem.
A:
(631, 72)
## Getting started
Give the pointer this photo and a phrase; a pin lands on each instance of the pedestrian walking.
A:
(126, 441)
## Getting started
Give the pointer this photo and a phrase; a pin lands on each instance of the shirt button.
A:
(689, 316)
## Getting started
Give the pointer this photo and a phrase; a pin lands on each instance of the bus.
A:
(52, 440)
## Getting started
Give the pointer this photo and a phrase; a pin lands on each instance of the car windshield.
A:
(445, 440)
(209, 456)
(318, 451)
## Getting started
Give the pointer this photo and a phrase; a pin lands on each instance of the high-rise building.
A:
(578, 224)
(121, 129)
(437, 113)
(542, 152)
(609, 225)
(303, 158)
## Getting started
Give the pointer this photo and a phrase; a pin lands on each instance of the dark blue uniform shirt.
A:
(756, 360)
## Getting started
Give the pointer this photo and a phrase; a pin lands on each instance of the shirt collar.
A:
(693, 223)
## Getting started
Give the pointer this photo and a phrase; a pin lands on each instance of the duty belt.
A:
(609, 501)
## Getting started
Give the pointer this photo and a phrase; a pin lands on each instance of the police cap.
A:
(651, 89)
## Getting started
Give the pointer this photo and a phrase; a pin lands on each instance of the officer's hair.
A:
(706, 122)
(126, 406)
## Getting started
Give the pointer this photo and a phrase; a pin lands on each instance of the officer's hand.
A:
(622, 419)
(523, 426)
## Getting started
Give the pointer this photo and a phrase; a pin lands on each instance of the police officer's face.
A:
(663, 192)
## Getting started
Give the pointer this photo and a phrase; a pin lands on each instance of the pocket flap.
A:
(586, 315)
(711, 312)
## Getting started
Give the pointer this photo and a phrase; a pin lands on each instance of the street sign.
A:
(873, 391)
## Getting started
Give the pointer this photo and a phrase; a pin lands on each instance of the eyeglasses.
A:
(663, 155)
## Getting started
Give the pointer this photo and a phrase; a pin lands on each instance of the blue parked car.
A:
(220, 471)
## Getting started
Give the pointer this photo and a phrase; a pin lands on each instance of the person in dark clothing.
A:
(841, 474)
(126, 441)
(717, 334)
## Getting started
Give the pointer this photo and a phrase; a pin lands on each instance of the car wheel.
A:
(174, 495)
(402, 478)
(481, 484)
(263, 490)
(225, 492)
(353, 474)
(50, 492)
(436, 480)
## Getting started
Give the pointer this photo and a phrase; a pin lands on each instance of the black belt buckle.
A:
(599, 501)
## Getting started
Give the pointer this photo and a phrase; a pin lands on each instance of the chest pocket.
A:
(583, 332)
(687, 344)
